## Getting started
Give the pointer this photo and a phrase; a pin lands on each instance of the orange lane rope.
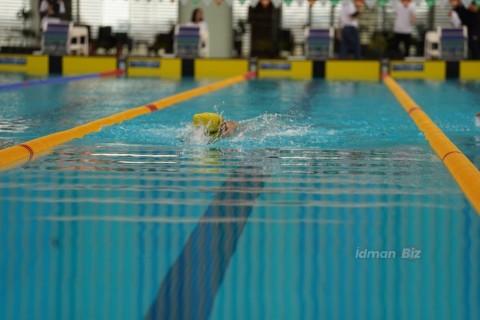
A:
(23, 152)
(460, 167)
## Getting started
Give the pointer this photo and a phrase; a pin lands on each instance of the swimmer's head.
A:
(212, 122)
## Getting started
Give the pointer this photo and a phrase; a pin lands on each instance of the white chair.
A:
(78, 41)
(432, 45)
(140, 48)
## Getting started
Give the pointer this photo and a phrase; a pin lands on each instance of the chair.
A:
(319, 43)
(105, 39)
(163, 41)
(78, 41)
(140, 48)
(286, 41)
(453, 43)
(432, 44)
(55, 38)
(123, 42)
(187, 41)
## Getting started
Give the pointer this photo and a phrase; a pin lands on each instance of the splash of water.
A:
(269, 126)
(194, 135)
(259, 130)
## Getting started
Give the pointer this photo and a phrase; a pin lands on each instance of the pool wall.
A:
(369, 70)
(72, 65)
(36, 65)
(154, 67)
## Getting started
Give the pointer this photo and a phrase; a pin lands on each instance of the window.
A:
(140, 19)
(14, 24)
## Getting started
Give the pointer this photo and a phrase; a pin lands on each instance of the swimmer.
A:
(214, 124)
(477, 120)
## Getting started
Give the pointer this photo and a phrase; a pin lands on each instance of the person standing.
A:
(197, 20)
(56, 8)
(51, 11)
(405, 19)
(474, 41)
(471, 19)
(350, 41)
(265, 21)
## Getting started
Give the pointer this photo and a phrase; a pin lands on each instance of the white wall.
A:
(219, 20)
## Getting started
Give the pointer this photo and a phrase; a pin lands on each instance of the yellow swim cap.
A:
(211, 121)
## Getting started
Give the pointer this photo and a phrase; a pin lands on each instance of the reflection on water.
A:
(13, 125)
(125, 231)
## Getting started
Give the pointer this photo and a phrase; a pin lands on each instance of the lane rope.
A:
(56, 80)
(18, 154)
(28, 149)
(461, 168)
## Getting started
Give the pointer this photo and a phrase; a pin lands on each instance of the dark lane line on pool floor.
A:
(189, 288)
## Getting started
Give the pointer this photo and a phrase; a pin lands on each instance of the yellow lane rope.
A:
(462, 170)
(23, 152)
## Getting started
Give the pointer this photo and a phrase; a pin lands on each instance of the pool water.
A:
(327, 203)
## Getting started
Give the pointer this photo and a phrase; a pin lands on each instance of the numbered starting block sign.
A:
(319, 43)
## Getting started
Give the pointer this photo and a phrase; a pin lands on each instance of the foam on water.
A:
(193, 135)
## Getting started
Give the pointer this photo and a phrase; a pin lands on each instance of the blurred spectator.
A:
(470, 18)
(51, 11)
(265, 21)
(454, 19)
(58, 7)
(473, 7)
(404, 21)
(197, 20)
(350, 41)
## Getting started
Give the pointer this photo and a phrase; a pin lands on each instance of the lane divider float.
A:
(460, 167)
(25, 151)
(55, 80)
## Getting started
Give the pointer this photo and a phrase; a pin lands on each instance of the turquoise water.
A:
(146, 220)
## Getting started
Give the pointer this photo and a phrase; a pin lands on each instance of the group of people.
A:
(405, 20)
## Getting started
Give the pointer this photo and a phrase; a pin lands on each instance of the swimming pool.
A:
(329, 203)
